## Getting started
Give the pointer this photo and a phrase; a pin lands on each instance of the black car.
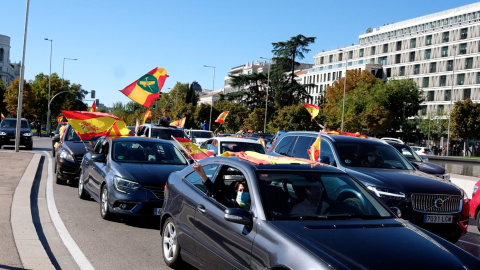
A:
(418, 162)
(8, 129)
(127, 175)
(355, 231)
(425, 200)
(69, 154)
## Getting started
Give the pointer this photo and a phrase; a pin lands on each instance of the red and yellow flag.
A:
(179, 122)
(147, 88)
(60, 119)
(137, 126)
(93, 108)
(191, 149)
(312, 109)
(259, 159)
(148, 114)
(3, 116)
(314, 150)
(221, 117)
(261, 141)
(92, 124)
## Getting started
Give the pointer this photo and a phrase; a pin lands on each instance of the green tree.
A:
(255, 120)
(252, 90)
(202, 113)
(294, 117)
(434, 125)
(465, 120)
(235, 119)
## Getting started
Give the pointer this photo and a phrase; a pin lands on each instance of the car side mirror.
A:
(99, 158)
(239, 216)
(56, 139)
(396, 211)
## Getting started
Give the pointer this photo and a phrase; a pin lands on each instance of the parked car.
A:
(425, 200)
(69, 154)
(355, 231)
(127, 175)
(161, 132)
(419, 163)
(198, 136)
(219, 145)
(56, 135)
(8, 130)
(422, 150)
(475, 204)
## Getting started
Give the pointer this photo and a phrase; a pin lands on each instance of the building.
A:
(440, 52)
(8, 71)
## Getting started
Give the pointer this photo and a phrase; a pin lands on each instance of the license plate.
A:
(157, 211)
(437, 219)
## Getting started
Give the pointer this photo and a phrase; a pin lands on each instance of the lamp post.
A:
(451, 97)
(268, 86)
(344, 87)
(211, 105)
(63, 69)
(49, 85)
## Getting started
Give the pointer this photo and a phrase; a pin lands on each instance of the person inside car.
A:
(242, 198)
(313, 203)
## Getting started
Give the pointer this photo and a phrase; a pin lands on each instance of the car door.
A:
(98, 170)
(220, 243)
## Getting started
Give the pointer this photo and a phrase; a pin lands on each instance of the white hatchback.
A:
(422, 151)
(219, 145)
(198, 136)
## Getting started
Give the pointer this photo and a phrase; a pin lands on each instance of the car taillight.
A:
(165, 188)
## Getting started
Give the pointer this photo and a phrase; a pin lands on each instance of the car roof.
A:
(136, 139)
(152, 125)
(235, 139)
(345, 137)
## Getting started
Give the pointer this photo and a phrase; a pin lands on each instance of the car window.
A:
(241, 147)
(284, 145)
(302, 144)
(195, 179)
(326, 153)
(167, 134)
(155, 152)
(201, 134)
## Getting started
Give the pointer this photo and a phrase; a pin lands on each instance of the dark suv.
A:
(425, 200)
(8, 128)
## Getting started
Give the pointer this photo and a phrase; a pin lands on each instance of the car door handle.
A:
(201, 208)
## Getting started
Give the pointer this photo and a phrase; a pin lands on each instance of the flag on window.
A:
(147, 88)
(312, 109)
(221, 117)
(92, 124)
(191, 149)
(148, 114)
(314, 150)
(179, 122)
(3, 116)
(93, 108)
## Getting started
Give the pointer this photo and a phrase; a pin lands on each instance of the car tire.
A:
(170, 245)
(82, 194)
(104, 208)
(477, 219)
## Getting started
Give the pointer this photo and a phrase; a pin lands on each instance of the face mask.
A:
(243, 199)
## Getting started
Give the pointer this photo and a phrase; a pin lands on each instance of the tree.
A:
(255, 120)
(235, 119)
(252, 90)
(434, 125)
(3, 105)
(465, 120)
(294, 117)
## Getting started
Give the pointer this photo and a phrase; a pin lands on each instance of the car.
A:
(219, 145)
(475, 204)
(356, 226)
(69, 154)
(267, 137)
(161, 132)
(8, 130)
(56, 135)
(419, 163)
(422, 150)
(197, 136)
(275, 138)
(127, 174)
(425, 200)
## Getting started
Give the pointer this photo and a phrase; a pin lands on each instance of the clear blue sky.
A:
(118, 41)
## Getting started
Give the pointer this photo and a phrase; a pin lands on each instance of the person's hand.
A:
(199, 169)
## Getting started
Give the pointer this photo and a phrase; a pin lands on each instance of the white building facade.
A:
(8, 71)
(440, 52)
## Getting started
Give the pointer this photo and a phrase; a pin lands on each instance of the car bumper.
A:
(454, 229)
(141, 202)
(5, 140)
(67, 170)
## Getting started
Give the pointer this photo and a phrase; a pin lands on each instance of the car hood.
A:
(145, 173)
(76, 148)
(430, 168)
(407, 181)
(375, 244)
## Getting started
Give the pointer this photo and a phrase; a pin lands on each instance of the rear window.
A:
(167, 134)
(201, 134)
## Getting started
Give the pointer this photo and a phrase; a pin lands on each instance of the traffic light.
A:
(92, 94)
(154, 107)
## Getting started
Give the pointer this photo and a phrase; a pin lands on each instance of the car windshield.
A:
(201, 134)
(12, 123)
(241, 147)
(370, 155)
(153, 152)
(167, 134)
(301, 195)
(409, 153)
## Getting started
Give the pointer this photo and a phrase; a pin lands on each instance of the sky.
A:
(117, 42)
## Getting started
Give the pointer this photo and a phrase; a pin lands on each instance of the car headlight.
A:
(66, 155)
(28, 134)
(475, 189)
(2, 133)
(387, 193)
(123, 185)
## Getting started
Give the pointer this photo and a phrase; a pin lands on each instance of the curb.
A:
(30, 249)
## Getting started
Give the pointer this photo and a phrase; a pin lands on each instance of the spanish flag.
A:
(148, 114)
(60, 119)
(147, 88)
(259, 159)
(314, 150)
(191, 149)
(93, 108)
(3, 116)
(312, 109)
(179, 122)
(221, 117)
(92, 124)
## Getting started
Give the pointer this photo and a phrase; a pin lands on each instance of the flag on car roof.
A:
(93, 108)
(3, 116)
(221, 117)
(259, 159)
(312, 109)
(148, 114)
(147, 88)
(191, 149)
(179, 123)
(314, 150)
(92, 124)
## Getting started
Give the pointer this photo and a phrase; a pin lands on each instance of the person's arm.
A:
(219, 196)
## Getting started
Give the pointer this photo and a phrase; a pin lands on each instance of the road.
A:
(131, 244)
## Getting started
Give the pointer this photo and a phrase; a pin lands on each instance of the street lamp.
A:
(49, 85)
(63, 69)
(344, 87)
(451, 96)
(211, 105)
(268, 86)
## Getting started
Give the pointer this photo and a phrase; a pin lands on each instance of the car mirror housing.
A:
(238, 215)
(99, 158)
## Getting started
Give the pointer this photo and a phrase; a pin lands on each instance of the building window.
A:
(389, 72)
(397, 58)
(469, 63)
(340, 56)
(423, 110)
(444, 51)
(428, 40)
(425, 82)
(433, 67)
(449, 65)
(430, 95)
(385, 48)
(399, 45)
(401, 71)
(460, 79)
(412, 56)
(382, 60)
(448, 95)
(463, 33)
(321, 60)
(413, 43)
(328, 78)
(443, 80)
(350, 54)
(445, 36)
(467, 93)
(462, 49)
(361, 53)
(439, 109)
(416, 69)
(330, 58)
(478, 78)
(428, 52)
(372, 50)
(1, 54)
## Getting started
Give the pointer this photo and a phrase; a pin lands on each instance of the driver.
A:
(373, 159)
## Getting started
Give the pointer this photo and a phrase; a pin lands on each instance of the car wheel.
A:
(81, 191)
(170, 245)
(477, 219)
(104, 208)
